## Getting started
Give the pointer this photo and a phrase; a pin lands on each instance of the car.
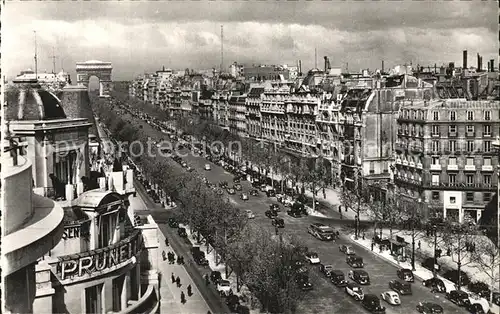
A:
(431, 263)
(405, 274)
(275, 207)
(429, 308)
(244, 196)
(474, 308)
(346, 249)
(207, 167)
(215, 277)
(321, 232)
(173, 223)
(231, 191)
(199, 256)
(254, 192)
(326, 269)
(182, 232)
(271, 213)
(460, 298)
(391, 297)
(190, 169)
(480, 288)
(402, 287)
(303, 282)
(372, 303)
(263, 188)
(312, 257)
(270, 193)
(250, 214)
(359, 276)
(354, 261)
(224, 287)
(236, 179)
(278, 222)
(294, 214)
(223, 184)
(238, 187)
(184, 164)
(233, 303)
(355, 291)
(452, 275)
(436, 282)
(337, 278)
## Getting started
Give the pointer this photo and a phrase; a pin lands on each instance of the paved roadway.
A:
(324, 298)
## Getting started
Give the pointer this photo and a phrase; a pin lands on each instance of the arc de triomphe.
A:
(99, 69)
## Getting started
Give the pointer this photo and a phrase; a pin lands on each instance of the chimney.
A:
(435, 68)
(464, 59)
(300, 68)
(382, 71)
(479, 62)
(326, 63)
(492, 66)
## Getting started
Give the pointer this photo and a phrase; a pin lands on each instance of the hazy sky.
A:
(143, 36)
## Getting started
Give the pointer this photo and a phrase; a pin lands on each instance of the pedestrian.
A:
(178, 260)
(173, 278)
(178, 281)
(190, 293)
(207, 280)
(373, 244)
(183, 297)
(473, 247)
(166, 241)
(448, 252)
(163, 255)
(324, 193)
(419, 244)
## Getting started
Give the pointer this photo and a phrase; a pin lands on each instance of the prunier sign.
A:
(78, 265)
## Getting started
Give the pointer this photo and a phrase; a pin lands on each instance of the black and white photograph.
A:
(210, 156)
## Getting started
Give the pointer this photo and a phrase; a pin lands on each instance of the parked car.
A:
(215, 277)
(312, 257)
(270, 193)
(303, 282)
(474, 308)
(208, 167)
(430, 263)
(325, 269)
(438, 283)
(355, 261)
(182, 232)
(480, 288)
(372, 303)
(359, 276)
(337, 278)
(401, 287)
(223, 184)
(250, 214)
(224, 287)
(238, 187)
(429, 308)
(244, 196)
(346, 249)
(173, 223)
(236, 179)
(391, 297)
(199, 256)
(294, 214)
(231, 191)
(278, 222)
(254, 192)
(271, 213)
(405, 274)
(233, 303)
(355, 291)
(275, 207)
(452, 275)
(460, 298)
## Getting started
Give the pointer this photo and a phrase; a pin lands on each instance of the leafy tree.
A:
(355, 201)
(415, 227)
(316, 179)
(487, 260)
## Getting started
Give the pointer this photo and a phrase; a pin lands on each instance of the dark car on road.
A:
(355, 261)
(436, 282)
(303, 282)
(270, 193)
(238, 187)
(452, 275)
(480, 288)
(271, 213)
(278, 222)
(429, 308)
(275, 207)
(337, 278)
(237, 179)
(372, 304)
(173, 223)
(294, 213)
(215, 277)
(400, 287)
(254, 192)
(182, 232)
(231, 191)
(405, 274)
(460, 298)
(199, 256)
(326, 269)
(431, 263)
(474, 308)
(359, 276)
(223, 184)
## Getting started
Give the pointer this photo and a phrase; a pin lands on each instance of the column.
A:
(44, 290)
(125, 293)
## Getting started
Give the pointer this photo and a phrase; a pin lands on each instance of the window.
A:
(469, 179)
(435, 146)
(487, 130)
(435, 195)
(487, 161)
(435, 160)
(487, 115)
(435, 116)
(372, 167)
(486, 196)
(452, 178)
(470, 115)
(453, 199)
(470, 146)
(452, 161)
(435, 179)
(470, 161)
(469, 196)
(453, 116)
(487, 179)
(435, 130)
(452, 145)
(470, 129)
(452, 129)
(487, 146)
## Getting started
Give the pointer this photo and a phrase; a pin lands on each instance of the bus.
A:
(322, 232)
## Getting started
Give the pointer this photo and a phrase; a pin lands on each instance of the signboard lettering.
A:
(100, 259)
(76, 231)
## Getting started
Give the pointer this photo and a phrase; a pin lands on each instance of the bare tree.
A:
(316, 179)
(415, 228)
(487, 260)
(355, 201)
(458, 237)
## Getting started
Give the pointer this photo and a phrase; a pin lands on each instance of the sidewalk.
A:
(170, 295)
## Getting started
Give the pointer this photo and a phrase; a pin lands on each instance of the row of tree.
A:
(259, 259)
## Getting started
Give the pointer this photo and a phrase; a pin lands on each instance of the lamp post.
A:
(434, 269)
(496, 146)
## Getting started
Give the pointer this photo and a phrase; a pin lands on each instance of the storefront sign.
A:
(101, 259)
(76, 231)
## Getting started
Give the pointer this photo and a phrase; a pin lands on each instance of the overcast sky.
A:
(143, 36)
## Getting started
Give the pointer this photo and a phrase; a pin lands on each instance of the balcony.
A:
(148, 303)
(487, 134)
(452, 134)
(435, 134)
(486, 168)
(452, 167)
(419, 166)
(462, 186)
(408, 181)
(435, 167)
(400, 146)
(405, 162)
(470, 134)
(398, 161)
(470, 168)
(417, 148)
(412, 164)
